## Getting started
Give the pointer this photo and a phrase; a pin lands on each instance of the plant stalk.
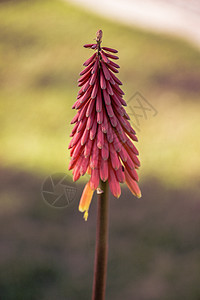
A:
(101, 251)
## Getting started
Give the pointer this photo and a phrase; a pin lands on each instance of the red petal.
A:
(93, 129)
(100, 117)
(93, 78)
(94, 180)
(104, 57)
(104, 170)
(95, 68)
(88, 148)
(113, 183)
(106, 97)
(84, 165)
(75, 118)
(102, 80)
(116, 143)
(114, 158)
(90, 107)
(104, 125)
(89, 45)
(105, 150)
(90, 120)
(109, 110)
(95, 89)
(85, 136)
(109, 49)
(105, 71)
(109, 88)
(87, 68)
(111, 55)
(74, 129)
(89, 60)
(132, 185)
(120, 175)
(94, 161)
(100, 138)
(110, 134)
(99, 101)
(115, 78)
(113, 121)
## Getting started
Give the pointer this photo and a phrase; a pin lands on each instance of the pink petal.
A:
(114, 158)
(85, 136)
(102, 80)
(74, 129)
(116, 88)
(112, 68)
(113, 64)
(86, 96)
(78, 149)
(120, 174)
(85, 76)
(95, 89)
(75, 118)
(116, 143)
(89, 45)
(132, 185)
(105, 150)
(104, 170)
(89, 60)
(93, 129)
(99, 101)
(95, 68)
(113, 183)
(94, 180)
(87, 68)
(84, 165)
(83, 111)
(111, 55)
(104, 125)
(115, 78)
(123, 154)
(81, 125)
(109, 49)
(90, 108)
(100, 137)
(109, 88)
(100, 117)
(106, 97)
(93, 78)
(132, 173)
(113, 121)
(94, 161)
(104, 57)
(90, 120)
(105, 71)
(88, 148)
(110, 134)
(109, 110)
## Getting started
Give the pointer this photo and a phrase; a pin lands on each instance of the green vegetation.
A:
(41, 56)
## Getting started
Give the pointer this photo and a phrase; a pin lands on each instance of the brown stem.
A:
(101, 252)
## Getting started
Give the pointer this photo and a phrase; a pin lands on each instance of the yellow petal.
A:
(86, 199)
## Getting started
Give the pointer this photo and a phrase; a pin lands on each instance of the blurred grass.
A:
(41, 55)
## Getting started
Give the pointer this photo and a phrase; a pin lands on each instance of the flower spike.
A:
(102, 137)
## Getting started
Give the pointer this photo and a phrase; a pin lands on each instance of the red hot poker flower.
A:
(101, 138)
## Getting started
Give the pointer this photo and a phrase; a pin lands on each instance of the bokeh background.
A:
(154, 245)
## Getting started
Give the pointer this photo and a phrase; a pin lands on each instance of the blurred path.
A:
(177, 17)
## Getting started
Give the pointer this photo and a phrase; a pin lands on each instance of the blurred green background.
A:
(48, 253)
